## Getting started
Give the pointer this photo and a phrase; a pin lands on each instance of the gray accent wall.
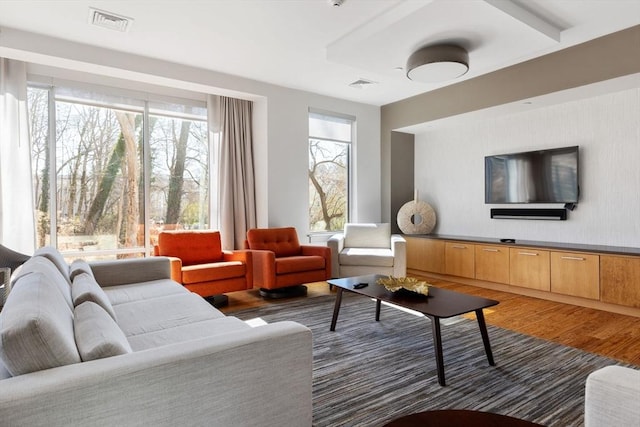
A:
(402, 173)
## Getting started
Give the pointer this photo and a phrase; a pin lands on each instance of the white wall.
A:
(449, 165)
(280, 125)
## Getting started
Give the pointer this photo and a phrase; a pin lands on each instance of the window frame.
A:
(144, 103)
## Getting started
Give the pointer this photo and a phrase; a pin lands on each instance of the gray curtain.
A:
(236, 179)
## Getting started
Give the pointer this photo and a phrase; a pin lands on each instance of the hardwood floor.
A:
(608, 334)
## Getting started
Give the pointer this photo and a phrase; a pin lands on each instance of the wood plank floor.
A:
(608, 334)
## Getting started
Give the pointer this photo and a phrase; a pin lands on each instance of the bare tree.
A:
(326, 171)
(176, 177)
(131, 174)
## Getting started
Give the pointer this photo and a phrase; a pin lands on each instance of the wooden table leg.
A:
(378, 303)
(485, 336)
(336, 308)
(437, 347)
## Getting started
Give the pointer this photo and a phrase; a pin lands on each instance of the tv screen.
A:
(543, 176)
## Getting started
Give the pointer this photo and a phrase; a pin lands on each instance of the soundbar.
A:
(546, 214)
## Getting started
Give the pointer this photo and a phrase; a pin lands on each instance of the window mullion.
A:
(53, 179)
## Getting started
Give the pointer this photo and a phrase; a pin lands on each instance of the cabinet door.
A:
(459, 259)
(492, 263)
(529, 268)
(620, 280)
(425, 254)
(575, 274)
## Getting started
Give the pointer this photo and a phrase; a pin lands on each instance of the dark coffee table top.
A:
(459, 418)
(440, 303)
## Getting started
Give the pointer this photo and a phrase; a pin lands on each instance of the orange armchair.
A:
(281, 265)
(200, 264)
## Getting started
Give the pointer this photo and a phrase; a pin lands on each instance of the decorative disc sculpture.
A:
(416, 217)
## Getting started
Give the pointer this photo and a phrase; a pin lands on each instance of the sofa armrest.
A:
(612, 396)
(264, 268)
(399, 249)
(131, 270)
(336, 244)
(258, 377)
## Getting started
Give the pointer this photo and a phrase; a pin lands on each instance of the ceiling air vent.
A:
(109, 20)
(361, 83)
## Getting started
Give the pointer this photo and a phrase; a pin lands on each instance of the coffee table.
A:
(459, 418)
(440, 304)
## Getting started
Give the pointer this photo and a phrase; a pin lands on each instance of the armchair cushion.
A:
(212, 271)
(366, 256)
(281, 241)
(296, 264)
(367, 235)
(189, 248)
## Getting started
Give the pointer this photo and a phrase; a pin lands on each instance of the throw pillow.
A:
(85, 288)
(79, 266)
(40, 264)
(97, 334)
(36, 327)
(56, 258)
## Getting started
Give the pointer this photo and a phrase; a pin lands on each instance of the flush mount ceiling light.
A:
(437, 63)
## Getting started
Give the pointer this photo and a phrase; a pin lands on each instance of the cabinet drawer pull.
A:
(574, 258)
(458, 247)
(491, 250)
(528, 253)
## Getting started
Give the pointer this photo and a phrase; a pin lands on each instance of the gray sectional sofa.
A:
(120, 343)
(612, 397)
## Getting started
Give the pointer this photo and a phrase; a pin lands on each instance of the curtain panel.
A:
(236, 178)
(17, 222)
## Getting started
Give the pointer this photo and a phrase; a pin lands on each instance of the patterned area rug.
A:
(367, 373)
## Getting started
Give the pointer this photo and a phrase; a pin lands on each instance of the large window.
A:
(111, 172)
(330, 138)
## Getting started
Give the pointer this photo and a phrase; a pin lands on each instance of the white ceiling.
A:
(314, 46)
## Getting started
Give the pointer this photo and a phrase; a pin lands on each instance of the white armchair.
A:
(367, 249)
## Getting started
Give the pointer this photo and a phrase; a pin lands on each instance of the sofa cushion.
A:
(375, 257)
(79, 266)
(295, 264)
(192, 247)
(85, 288)
(56, 258)
(140, 317)
(188, 332)
(120, 294)
(367, 235)
(214, 271)
(40, 264)
(97, 334)
(36, 327)
(282, 241)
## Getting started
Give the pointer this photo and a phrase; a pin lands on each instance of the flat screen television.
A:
(542, 176)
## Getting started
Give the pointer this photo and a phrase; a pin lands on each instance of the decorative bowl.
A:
(412, 284)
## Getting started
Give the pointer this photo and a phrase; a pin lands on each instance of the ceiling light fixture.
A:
(437, 63)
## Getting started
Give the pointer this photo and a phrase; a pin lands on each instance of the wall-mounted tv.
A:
(542, 176)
